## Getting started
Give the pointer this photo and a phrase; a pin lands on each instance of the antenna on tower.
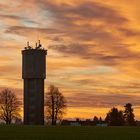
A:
(36, 45)
(37, 33)
(39, 45)
(28, 44)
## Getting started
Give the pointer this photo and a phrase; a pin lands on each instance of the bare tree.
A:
(9, 106)
(55, 105)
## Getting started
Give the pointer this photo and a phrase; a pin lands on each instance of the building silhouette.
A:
(34, 74)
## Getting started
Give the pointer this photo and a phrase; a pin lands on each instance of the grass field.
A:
(68, 133)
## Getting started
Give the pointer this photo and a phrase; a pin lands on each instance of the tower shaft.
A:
(34, 101)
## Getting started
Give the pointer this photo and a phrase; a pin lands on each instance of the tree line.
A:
(10, 106)
(117, 117)
(55, 109)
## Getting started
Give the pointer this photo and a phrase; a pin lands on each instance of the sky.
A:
(93, 50)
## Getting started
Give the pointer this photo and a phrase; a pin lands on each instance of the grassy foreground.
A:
(68, 133)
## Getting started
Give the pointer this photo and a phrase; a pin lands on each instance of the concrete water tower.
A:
(34, 74)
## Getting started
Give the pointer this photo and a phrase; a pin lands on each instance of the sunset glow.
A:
(93, 50)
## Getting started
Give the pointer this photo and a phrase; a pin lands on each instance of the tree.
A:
(55, 105)
(95, 119)
(100, 120)
(129, 115)
(114, 117)
(18, 120)
(9, 106)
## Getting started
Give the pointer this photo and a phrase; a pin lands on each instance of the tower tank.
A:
(34, 74)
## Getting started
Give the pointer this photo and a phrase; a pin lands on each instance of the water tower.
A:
(34, 74)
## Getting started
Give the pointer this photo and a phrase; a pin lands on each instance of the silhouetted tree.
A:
(9, 106)
(18, 120)
(114, 117)
(78, 120)
(100, 120)
(55, 105)
(95, 119)
(129, 115)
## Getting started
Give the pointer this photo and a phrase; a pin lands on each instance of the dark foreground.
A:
(68, 133)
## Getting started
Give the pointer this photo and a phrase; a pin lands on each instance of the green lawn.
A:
(68, 133)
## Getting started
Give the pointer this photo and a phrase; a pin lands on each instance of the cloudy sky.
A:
(93, 50)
